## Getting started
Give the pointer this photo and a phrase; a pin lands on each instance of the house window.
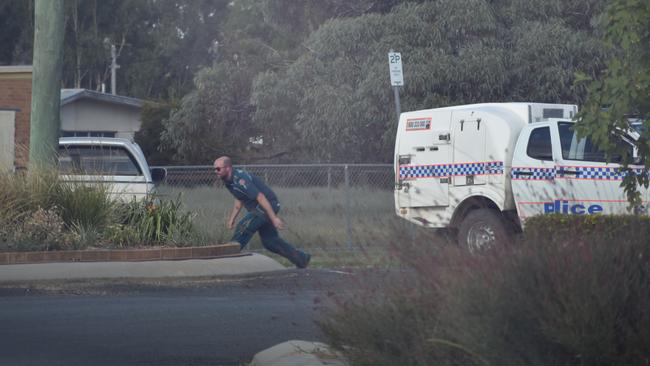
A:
(87, 133)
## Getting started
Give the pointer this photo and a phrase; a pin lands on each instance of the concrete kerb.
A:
(222, 266)
(120, 255)
(299, 353)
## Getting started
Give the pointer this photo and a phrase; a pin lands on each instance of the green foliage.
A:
(16, 32)
(86, 206)
(152, 222)
(160, 43)
(573, 292)
(545, 58)
(623, 90)
(148, 137)
(337, 98)
(214, 119)
(307, 81)
(40, 212)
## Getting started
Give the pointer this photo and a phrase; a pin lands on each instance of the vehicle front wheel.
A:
(482, 229)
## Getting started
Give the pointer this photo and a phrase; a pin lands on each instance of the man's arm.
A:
(233, 214)
(277, 222)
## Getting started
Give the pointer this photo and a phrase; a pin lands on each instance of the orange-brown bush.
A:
(573, 291)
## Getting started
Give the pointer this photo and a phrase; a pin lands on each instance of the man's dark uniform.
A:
(245, 187)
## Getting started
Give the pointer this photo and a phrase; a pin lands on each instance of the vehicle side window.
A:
(539, 144)
(97, 160)
(584, 149)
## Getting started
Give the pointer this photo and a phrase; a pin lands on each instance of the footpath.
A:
(220, 260)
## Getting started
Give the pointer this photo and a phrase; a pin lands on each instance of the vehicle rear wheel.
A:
(482, 229)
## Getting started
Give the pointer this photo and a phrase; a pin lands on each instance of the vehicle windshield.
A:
(105, 160)
(583, 149)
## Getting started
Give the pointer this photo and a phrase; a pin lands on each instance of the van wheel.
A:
(482, 229)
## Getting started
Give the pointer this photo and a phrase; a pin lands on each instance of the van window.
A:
(539, 144)
(584, 149)
(97, 160)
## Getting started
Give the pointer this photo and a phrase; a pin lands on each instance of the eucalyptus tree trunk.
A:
(46, 83)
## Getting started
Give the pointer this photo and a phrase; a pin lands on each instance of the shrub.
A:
(42, 230)
(153, 222)
(22, 194)
(574, 291)
(89, 207)
(40, 212)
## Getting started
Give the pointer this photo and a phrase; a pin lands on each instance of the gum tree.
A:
(622, 92)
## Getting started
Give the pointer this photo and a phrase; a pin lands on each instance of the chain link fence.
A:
(325, 206)
(371, 176)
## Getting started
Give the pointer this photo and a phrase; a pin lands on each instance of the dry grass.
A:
(316, 221)
(575, 291)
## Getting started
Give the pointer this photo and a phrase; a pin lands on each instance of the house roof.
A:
(70, 95)
(13, 69)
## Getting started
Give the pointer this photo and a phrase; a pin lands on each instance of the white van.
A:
(482, 169)
(116, 162)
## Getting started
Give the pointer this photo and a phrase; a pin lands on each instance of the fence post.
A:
(329, 178)
(348, 213)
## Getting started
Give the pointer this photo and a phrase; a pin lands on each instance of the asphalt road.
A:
(204, 321)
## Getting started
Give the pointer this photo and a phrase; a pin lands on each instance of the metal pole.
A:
(398, 109)
(329, 178)
(348, 213)
(114, 67)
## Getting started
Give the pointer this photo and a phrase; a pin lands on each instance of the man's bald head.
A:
(223, 161)
(223, 168)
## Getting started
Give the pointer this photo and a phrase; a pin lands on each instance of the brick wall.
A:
(16, 93)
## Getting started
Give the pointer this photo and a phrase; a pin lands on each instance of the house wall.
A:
(7, 147)
(16, 94)
(92, 115)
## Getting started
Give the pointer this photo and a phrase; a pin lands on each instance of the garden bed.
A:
(120, 255)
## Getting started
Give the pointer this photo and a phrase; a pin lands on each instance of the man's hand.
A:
(231, 223)
(277, 222)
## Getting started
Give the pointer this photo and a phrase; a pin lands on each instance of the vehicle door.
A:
(590, 180)
(534, 186)
(111, 167)
(422, 160)
(469, 160)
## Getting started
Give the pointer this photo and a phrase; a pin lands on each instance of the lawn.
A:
(316, 219)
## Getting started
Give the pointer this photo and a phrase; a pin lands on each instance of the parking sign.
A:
(395, 67)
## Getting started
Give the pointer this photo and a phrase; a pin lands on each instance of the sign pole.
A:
(397, 105)
(396, 77)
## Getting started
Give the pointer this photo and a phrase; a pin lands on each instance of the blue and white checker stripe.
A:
(423, 171)
(591, 173)
(446, 170)
(494, 167)
(497, 167)
(597, 173)
(532, 173)
(468, 169)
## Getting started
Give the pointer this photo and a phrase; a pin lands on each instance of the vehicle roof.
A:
(95, 141)
(497, 104)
